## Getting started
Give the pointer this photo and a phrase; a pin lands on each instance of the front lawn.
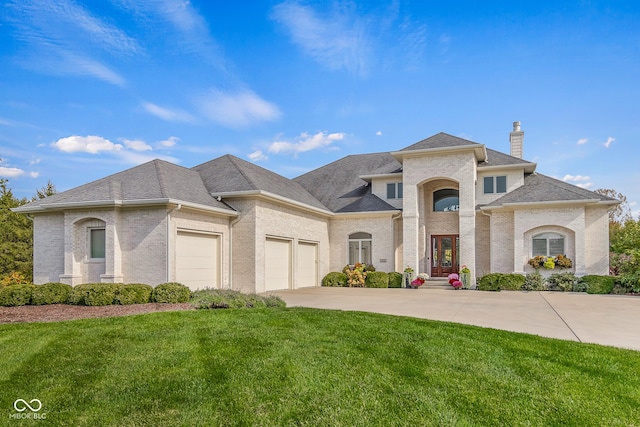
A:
(308, 367)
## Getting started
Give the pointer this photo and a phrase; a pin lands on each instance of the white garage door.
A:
(307, 265)
(277, 258)
(197, 260)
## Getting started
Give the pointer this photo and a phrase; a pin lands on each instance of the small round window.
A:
(446, 200)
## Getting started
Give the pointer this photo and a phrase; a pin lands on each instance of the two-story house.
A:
(435, 205)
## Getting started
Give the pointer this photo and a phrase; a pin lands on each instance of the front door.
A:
(444, 255)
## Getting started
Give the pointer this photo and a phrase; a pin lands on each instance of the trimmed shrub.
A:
(369, 268)
(16, 295)
(534, 282)
(565, 282)
(630, 282)
(499, 281)
(94, 294)
(489, 282)
(226, 298)
(395, 279)
(51, 293)
(133, 293)
(511, 282)
(598, 284)
(335, 278)
(377, 279)
(170, 293)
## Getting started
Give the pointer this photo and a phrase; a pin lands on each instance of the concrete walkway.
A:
(602, 319)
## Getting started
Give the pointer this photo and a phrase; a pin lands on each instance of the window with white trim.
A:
(495, 184)
(547, 244)
(394, 190)
(97, 243)
(360, 247)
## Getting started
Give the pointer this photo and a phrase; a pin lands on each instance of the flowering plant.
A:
(423, 277)
(408, 269)
(417, 283)
(560, 261)
(465, 270)
(452, 278)
(356, 275)
(457, 284)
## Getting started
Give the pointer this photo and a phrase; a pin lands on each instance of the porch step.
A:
(436, 284)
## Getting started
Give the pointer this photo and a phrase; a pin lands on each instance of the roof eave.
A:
(547, 204)
(528, 167)
(480, 151)
(380, 176)
(368, 214)
(53, 207)
(272, 196)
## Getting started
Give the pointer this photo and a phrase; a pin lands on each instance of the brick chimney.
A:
(516, 138)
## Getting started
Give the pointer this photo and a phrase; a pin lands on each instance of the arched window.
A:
(547, 244)
(360, 246)
(446, 200)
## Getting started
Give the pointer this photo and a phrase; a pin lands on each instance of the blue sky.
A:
(88, 89)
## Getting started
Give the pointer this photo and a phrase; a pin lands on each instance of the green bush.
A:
(377, 279)
(534, 282)
(395, 279)
(335, 278)
(133, 293)
(94, 294)
(598, 284)
(631, 282)
(489, 282)
(16, 295)
(498, 281)
(226, 298)
(565, 282)
(170, 293)
(50, 293)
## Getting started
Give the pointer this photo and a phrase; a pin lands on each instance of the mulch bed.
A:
(57, 312)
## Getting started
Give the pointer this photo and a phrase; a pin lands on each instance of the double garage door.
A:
(278, 264)
(198, 260)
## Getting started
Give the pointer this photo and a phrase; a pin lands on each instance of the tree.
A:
(620, 213)
(16, 235)
(16, 231)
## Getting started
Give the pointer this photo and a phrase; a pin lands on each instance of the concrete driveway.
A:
(602, 319)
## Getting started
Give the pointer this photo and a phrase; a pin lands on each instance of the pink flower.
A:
(456, 284)
(453, 276)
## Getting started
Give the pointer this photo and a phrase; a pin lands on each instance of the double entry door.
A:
(444, 255)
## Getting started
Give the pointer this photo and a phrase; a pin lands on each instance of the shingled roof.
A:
(154, 180)
(440, 140)
(496, 158)
(542, 188)
(339, 187)
(230, 174)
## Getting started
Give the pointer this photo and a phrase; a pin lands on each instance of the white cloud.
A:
(34, 162)
(379, 133)
(582, 141)
(576, 178)
(10, 172)
(168, 143)
(167, 114)
(242, 108)
(339, 40)
(586, 185)
(609, 142)
(136, 144)
(85, 144)
(34, 174)
(257, 156)
(83, 66)
(306, 142)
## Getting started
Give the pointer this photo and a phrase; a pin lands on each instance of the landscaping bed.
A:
(57, 312)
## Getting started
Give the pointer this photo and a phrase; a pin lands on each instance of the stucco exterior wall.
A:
(384, 241)
(48, 247)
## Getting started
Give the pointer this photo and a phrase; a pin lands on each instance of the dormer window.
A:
(394, 190)
(495, 184)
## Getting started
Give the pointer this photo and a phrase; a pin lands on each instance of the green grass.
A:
(308, 367)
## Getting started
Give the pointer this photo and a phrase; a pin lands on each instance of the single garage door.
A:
(277, 258)
(197, 260)
(307, 265)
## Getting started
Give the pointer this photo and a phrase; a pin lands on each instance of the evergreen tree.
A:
(16, 235)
